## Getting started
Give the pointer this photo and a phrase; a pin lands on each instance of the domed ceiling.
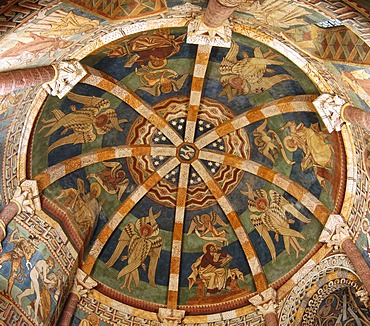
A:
(210, 171)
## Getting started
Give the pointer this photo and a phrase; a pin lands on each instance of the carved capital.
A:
(335, 231)
(330, 109)
(83, 284)
(67, 75)
(200, 33)
(170, 317)
(363, 296)
(26, 197)
(265, 302)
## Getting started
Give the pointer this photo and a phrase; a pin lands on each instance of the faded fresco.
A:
(184, 176)
(30, 275)
(157, 68)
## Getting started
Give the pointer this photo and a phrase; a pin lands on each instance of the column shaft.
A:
(17, 79)
(69, 310)
(356, 116)
(359, 263)
(217, 12)
(271, 319)
(6, 215)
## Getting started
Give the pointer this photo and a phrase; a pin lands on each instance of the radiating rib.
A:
(123, 210)
(102, 80)
(304, 196)
(301, 103)
(232, 216)
(60, 170)
(200, 68)
(173, 286)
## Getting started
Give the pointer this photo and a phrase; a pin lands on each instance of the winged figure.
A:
(206, 224)
(161, 80)
(248, 74)
(272, 217)
(142, 241)
(112, 178)
(269, 144)
(94, 118)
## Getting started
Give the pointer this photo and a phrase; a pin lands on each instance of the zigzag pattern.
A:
(14, 12)
(342, 45)
(118, 9)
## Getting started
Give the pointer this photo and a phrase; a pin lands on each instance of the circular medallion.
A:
(211, 114)
(187, 153)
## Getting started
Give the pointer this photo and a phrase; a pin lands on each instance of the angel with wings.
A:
(204, 227)
(272, 209)
(160, 81)
(269, 144)
(240, 77)
(112, 178)
(142, 241)
(85, 123)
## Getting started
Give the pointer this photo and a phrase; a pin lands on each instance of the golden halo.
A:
(207, 244)
(95, 187)
(288, 145)
(365, 225)
(150, 64)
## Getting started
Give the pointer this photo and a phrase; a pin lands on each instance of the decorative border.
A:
(361, 196)
(354, 20)
(11, 17)
(300, 293)
(115, 313)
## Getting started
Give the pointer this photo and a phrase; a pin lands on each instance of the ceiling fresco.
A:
(229, 184)
(186, 177)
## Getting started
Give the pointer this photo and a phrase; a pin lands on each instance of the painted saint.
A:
(317, 151)
(149, 49)
(205, 227)
(39, 284)
(24, 249)
(248, 75)
(212, 269)
(142, 241)
(112, 178)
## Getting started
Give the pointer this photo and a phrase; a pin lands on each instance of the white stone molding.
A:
(335, 231)
(363, 296)
(330, 108)
(170, 317)
(83, 284)
(265, 302)
(200, 33)
(26, 197)
(67, 75)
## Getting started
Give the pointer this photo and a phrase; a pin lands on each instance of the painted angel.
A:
(85, 123)
(315, 145)
(269, 144)
(240, 77)
(162, 80)
(204, 227)
(272, 209)
(112, 178)
(142, 241)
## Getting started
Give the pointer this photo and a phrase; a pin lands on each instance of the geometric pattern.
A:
(14, 12)
(334, 44)
(122, 10)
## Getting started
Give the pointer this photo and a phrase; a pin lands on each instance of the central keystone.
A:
(187, 153)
